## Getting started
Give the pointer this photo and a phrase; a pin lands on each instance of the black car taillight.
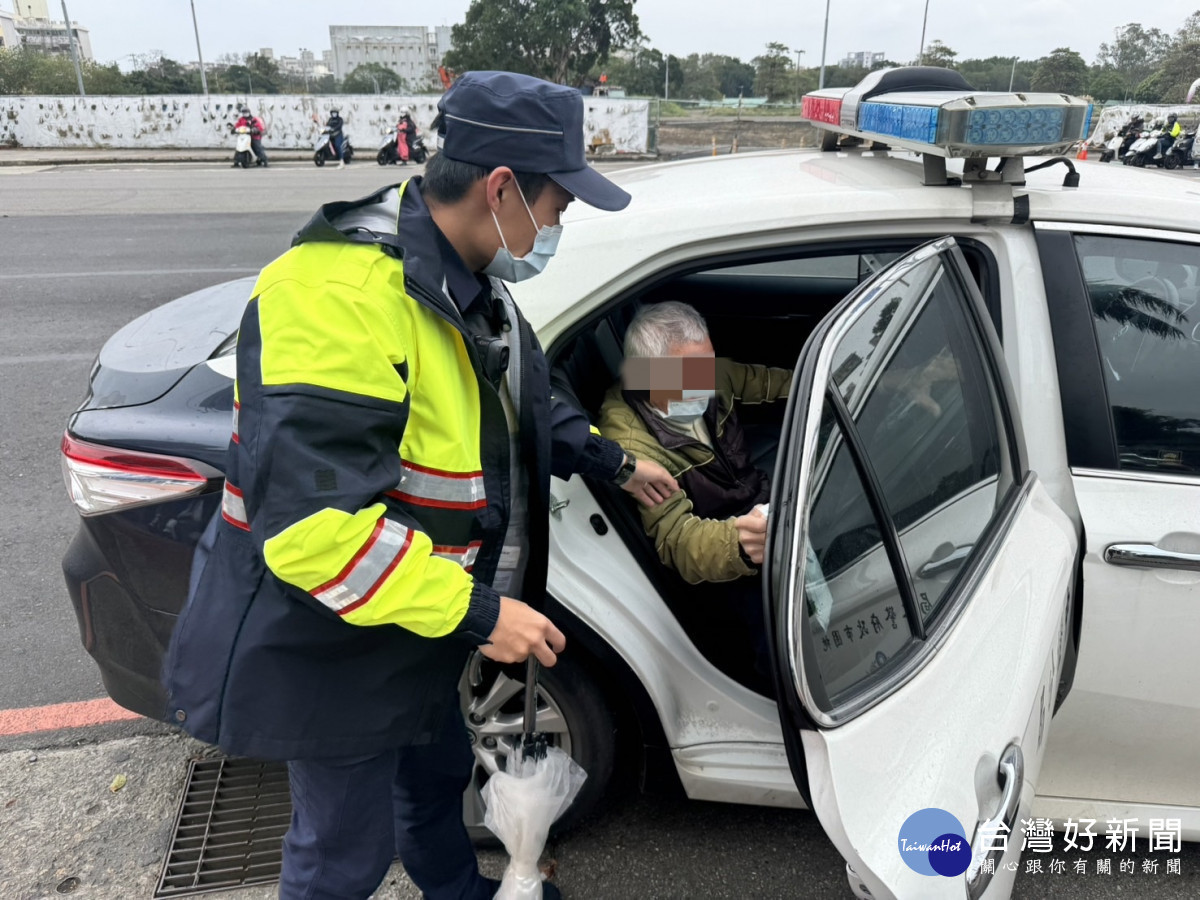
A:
(102, 479)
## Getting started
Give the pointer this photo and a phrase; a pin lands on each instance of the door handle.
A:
(1011, 777)
(1149, 556)
(950, 560)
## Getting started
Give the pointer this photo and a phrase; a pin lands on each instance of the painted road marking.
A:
(124, 273)
(62, 715)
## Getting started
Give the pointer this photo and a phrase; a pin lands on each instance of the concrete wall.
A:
(193, 121)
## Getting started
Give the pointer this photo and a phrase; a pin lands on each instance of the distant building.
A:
(31, 9)
(413, 52)
(8, 31)
(862, 59)
(30, 25)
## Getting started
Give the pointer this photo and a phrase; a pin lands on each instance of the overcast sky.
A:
(1025, 28)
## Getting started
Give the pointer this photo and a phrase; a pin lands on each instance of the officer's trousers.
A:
(351, 817)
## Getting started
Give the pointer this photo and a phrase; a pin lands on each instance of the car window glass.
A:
(1143, 296)
(850, 266)
(854, 611)
(912, 376)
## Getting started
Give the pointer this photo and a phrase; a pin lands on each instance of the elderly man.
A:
(678, 407)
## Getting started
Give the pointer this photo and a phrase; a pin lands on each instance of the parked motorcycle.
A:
(1112, 148)
(1179, 154)
(388, 155)
(324, 150)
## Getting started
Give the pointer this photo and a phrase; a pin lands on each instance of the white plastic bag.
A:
(522, 803)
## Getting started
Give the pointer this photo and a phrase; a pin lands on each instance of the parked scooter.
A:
(242, 153)
(324, 151)
(1179, 154)
(1142, 150)
(388, 155)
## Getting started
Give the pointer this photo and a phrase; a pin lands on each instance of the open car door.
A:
(918, 581)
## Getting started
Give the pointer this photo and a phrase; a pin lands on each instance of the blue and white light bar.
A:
(912, 109)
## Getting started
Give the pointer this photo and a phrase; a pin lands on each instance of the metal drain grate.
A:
(229, 829)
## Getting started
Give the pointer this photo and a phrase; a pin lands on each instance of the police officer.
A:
(1170, 131)
(386, 501)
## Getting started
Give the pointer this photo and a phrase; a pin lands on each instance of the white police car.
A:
(988, 487)
(985, 529)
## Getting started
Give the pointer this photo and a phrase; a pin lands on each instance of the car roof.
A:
(690, 203)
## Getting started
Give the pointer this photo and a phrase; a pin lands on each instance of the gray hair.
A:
(656, 329)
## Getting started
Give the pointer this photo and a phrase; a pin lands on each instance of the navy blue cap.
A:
(492, 119)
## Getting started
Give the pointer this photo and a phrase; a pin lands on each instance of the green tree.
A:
(995, 72)
(1106, 83)
(733, 75)
(700, 81)
(773, 77)
(1136, 54)
(1179, 68)
(1062, 71)
(162, 75)
(938, 54)
(560, 40)
(364, 78)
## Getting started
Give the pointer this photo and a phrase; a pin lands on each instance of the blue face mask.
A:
(510, 268)
(689, 409)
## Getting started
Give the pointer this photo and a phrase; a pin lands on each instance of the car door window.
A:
(1143, 296)
(913, 449)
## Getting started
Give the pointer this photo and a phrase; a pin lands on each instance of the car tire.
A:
(827, 140)
(571, 708)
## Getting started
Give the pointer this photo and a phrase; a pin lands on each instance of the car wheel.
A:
(571, 711)
(319, 159)
(828, 139)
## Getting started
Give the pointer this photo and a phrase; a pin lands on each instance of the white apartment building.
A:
(30, 25)
(862, 59)
(413, 52)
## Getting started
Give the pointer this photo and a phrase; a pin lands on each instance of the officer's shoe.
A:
(550, 890)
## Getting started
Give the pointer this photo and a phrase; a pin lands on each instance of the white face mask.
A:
(510, 268)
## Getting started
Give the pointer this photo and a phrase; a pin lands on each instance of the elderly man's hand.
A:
(650, 483)
(752, 534)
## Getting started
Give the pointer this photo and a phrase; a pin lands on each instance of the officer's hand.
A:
(521, 630)
(752, 534)
(650, 483)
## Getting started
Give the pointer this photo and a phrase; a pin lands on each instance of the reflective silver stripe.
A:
(431, 487)
(361, 577)
(503, 127)
(464, 556)
(233, 507)
(237, 407)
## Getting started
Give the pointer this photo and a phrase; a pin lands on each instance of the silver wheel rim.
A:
(492, 713)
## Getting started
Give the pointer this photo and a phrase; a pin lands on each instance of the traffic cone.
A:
(1082, 151)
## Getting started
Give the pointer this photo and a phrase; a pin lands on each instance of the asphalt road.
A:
(82, 251)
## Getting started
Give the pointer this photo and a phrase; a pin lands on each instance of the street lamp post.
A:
(798, 52)
(824, 42)
(74, 52)
(667, 68)
(199, 55)
(1013, 74)
(924, 20)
